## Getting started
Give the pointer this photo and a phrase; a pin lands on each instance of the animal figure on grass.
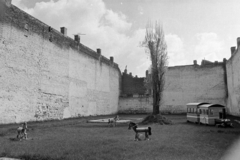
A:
(137, 130)
(22, 131)
(112, 122)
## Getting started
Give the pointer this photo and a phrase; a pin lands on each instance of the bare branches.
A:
(154, 42)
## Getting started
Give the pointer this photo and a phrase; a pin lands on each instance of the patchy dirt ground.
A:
(76, 139)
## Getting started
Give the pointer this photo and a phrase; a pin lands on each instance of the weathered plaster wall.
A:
(94, 86)
(184, 84)
(44, 75)
(135, 104)
(233, 79)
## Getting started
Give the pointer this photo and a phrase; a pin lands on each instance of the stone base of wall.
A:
(143, 105)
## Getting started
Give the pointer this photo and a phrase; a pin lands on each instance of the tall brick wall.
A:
(233, 81)
(44, 75)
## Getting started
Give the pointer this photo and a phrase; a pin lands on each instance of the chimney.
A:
(233, 49)
(130, 74)
(195, 62)
(224, 60)
(77, 38)
(125, 71)
(238, 42)
(99, 51)
(64, 31)
(111, 59)
(146, 73)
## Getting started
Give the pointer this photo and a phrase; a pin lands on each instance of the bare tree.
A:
(155, 45)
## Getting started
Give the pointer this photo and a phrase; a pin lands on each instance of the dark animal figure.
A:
(146, 130)
(113, 121)
(22, 131)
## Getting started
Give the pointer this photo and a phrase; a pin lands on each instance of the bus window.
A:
(200, 111)
(207, 111)
(211, 112)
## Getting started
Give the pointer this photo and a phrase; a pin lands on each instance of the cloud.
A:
(19, 4)
(209, 46)
(140, 10)
(103, 27)
(117, 21)
(176, 50)
(133, 54)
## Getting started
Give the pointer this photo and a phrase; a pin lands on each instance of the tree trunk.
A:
(156, 104)
(155, 92)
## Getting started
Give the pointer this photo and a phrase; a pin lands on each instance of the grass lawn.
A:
(76, 139)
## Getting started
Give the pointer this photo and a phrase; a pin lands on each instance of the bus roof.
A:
(211, 105)
(196, 104)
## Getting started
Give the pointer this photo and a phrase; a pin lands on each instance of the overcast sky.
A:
(194, 29)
